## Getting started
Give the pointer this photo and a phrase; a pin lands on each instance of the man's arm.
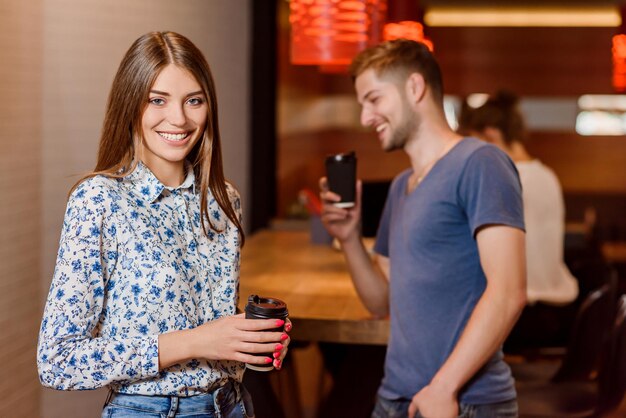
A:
(371, 279)
(503, 259)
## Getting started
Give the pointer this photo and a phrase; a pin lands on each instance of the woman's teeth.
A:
(174, 137)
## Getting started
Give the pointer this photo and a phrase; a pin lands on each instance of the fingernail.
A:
(284, 337)
(278, 364)
(280, 322)
(276, 354)
(268, 360)
(288, 327)
(278, 347)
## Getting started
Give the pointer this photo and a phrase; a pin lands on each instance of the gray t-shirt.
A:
(436, 276)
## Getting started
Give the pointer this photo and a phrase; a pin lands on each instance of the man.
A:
(449, 264)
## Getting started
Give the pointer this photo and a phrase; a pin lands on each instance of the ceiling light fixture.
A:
(606, 16)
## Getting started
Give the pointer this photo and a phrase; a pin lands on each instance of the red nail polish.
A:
(278, 364)
(284, 337)
(268, 360)
(280, 322)
(276, 354)
(278, 347)
(288, 327)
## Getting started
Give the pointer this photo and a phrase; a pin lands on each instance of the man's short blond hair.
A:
(400, 58)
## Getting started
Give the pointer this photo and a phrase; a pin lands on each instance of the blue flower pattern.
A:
(134, 263)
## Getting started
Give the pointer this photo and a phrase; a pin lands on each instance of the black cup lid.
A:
(266, 306)
(339, 158)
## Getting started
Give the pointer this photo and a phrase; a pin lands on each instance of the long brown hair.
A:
(121, 130)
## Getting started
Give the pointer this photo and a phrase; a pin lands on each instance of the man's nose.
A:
(366, 117)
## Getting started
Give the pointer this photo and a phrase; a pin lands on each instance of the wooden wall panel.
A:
(529, 61)
(583, 164)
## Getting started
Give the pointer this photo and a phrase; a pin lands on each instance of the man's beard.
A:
(401, 134)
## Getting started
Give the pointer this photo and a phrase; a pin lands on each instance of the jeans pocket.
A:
(465, 411)
(246, 403)
(115, 411)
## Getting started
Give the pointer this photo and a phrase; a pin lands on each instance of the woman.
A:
(144, 294)
(550, 285)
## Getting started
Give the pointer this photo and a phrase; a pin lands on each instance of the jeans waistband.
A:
(221, 398)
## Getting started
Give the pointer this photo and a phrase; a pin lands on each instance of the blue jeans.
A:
(229, 401)
(386, 408)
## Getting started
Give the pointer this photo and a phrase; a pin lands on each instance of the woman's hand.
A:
(280, 355)
(227, 338)
(237, 338)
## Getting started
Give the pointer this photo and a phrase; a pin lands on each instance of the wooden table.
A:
(314, 282)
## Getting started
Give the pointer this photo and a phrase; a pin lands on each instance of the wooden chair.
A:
(583, 352)
(590, 334)
(583, 398)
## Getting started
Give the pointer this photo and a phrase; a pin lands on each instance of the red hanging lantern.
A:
(404, 21)
(331, 32)
(619, 63)
(407, 29)
(618, 51)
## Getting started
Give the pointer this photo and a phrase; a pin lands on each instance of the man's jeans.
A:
(230, 401)
(386, 408)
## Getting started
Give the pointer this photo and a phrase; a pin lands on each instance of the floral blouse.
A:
(134, 263)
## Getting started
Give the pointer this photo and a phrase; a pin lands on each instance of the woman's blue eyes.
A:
(157, 101)
(194, 101)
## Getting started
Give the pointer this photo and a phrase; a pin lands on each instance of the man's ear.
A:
(415, 87)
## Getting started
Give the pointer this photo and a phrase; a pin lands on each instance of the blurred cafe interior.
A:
(284, 106)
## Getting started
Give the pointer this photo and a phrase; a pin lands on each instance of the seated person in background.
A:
(550, 286)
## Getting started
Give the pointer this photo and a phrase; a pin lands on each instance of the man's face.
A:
(385, 108)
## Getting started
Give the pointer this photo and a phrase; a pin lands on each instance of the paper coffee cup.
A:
(259, 307)
(341, 176)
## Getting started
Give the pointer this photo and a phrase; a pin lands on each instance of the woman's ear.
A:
(415, 87)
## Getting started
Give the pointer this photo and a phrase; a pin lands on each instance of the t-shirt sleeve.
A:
(490, 190)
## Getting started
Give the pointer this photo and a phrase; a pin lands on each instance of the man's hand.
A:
(341, 223)
(433, 402)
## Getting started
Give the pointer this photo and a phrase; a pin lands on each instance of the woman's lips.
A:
(178, 138)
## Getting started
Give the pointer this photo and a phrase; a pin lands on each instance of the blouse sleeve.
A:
(70, 354)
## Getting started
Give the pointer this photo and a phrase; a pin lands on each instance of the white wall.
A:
(20, 182)
(84, 41)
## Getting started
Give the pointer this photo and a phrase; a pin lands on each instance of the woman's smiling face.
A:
(172, 122)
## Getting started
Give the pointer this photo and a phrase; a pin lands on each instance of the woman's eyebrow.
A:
(163, 93)
(195, 93)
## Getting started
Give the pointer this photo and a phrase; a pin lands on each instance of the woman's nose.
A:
(176, 116)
